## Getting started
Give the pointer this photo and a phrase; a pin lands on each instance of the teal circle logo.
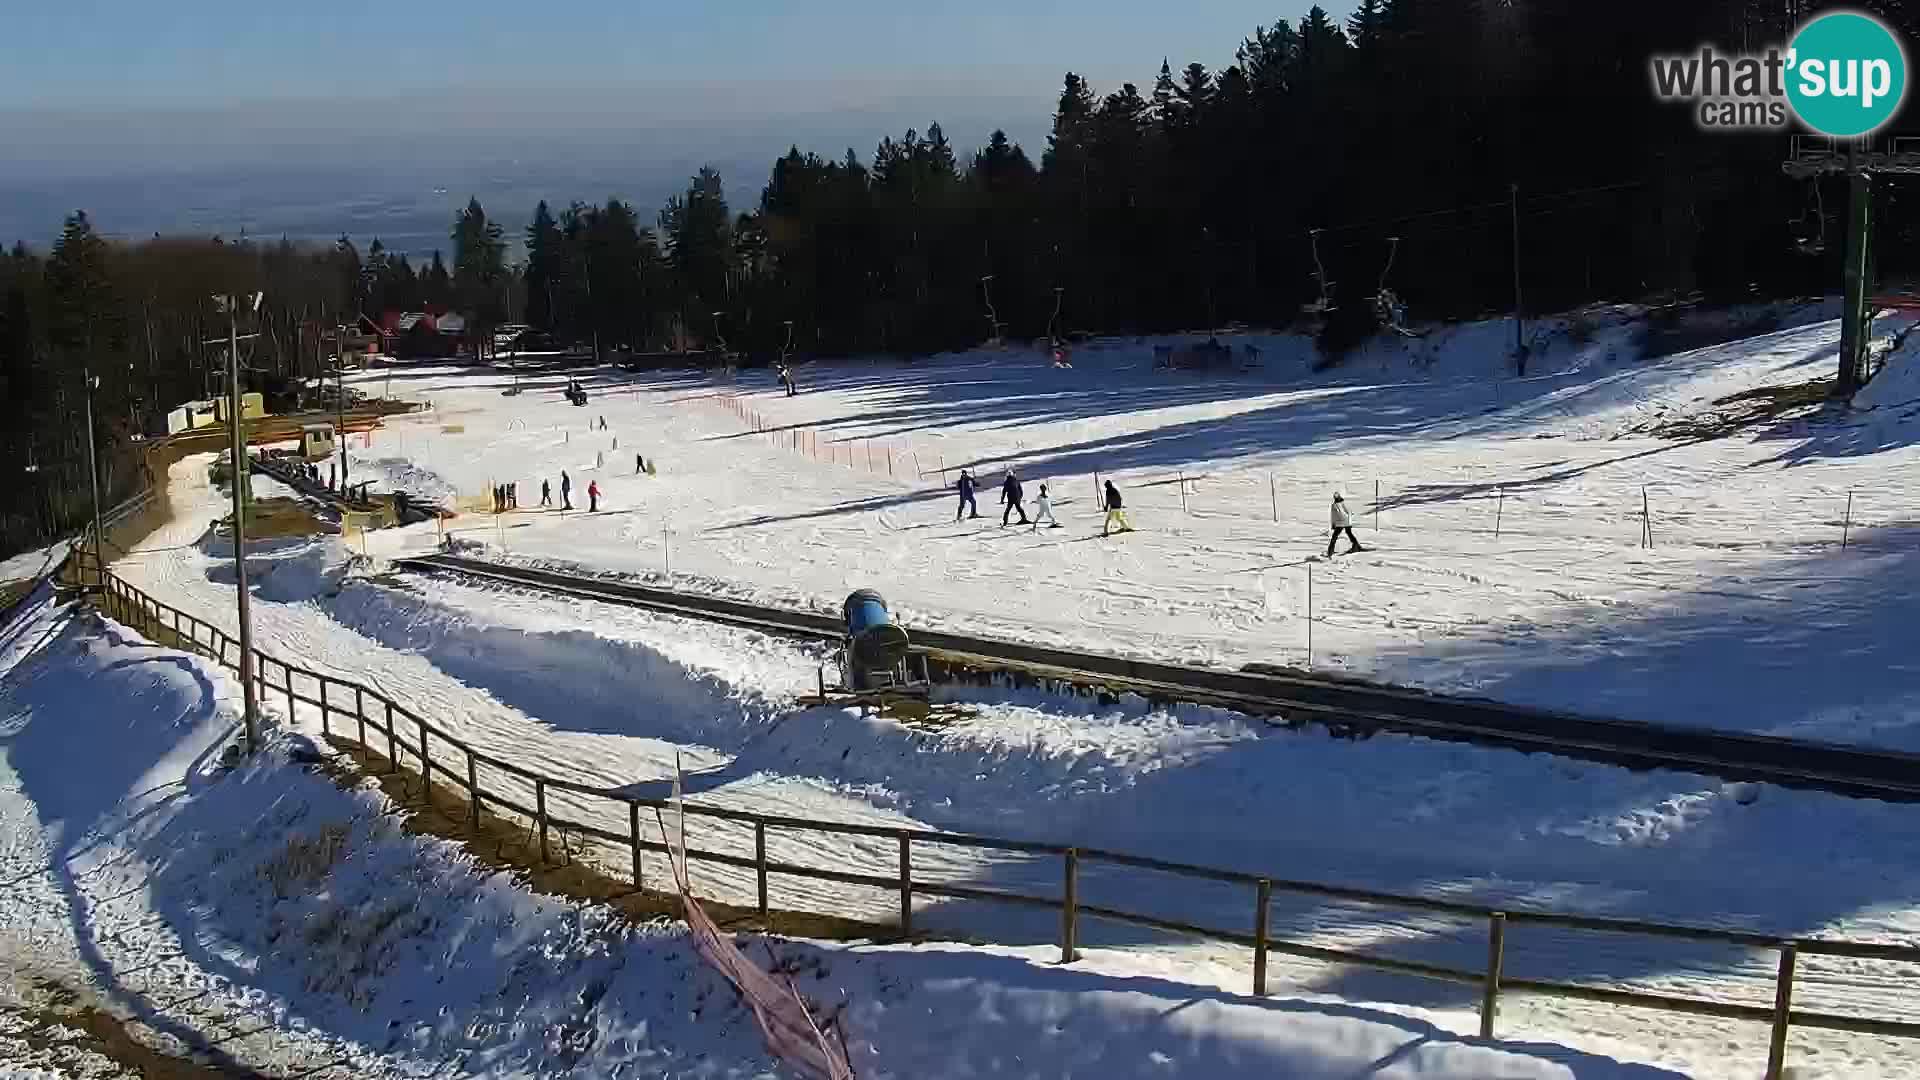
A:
(1847, 74)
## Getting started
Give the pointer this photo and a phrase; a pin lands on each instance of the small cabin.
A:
(192, 415)
(316, 442)
(252, 407)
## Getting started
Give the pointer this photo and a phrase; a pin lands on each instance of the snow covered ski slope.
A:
(266, 921)
(1691, 630)
(1507, 542)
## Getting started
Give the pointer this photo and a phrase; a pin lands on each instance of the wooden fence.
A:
(349, 710)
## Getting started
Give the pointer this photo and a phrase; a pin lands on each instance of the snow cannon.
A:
(875, 654)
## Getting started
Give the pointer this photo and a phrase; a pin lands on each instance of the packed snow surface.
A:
(1745, 590)
(266, 919)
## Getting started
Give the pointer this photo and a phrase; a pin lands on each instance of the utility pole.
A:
(340, 404)
(238, 476)
(1519, 308)
(93, 471)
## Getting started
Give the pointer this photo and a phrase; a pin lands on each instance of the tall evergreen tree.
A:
(546, 268)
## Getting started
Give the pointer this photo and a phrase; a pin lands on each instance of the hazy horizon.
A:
(275, 119)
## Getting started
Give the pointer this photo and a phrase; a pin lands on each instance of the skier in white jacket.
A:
(1342, 523)
(1044, 510)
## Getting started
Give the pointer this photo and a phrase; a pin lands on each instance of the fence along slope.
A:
(460, 765)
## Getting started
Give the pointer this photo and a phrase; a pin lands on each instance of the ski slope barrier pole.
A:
(1500, 504)
(1846, 524)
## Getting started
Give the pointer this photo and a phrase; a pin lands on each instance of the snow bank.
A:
(395, 954)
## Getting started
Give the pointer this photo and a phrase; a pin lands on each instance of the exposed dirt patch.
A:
(1748, 408)
(52, 1027)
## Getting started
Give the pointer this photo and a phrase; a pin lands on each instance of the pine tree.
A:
(436, 287)
(80, 300)
(479, 272)
(1364, 26)
(545, 268)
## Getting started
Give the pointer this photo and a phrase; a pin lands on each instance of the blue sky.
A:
(205, 52)
(382, 116)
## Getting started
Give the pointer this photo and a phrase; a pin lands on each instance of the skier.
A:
(639, 464)
(1115, 515)
(513, 495)
(593, 496)
(546, 493)
(1012, 497)
(566, 490)
(1342, 523)
(966, 497)
(1043, 509)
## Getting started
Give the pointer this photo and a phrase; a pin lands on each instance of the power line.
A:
(1498, 204)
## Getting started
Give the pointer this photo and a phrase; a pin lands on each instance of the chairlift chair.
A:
(1811, 239)
(1387, 305)
(1318, 310)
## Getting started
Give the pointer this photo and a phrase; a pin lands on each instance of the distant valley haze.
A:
(374, 119)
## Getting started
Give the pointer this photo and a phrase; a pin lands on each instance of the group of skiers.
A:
(507, 496)
(1013, 501)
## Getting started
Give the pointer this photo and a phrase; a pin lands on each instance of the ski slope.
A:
(1745, 581)
(614, 696)
(273, 923)
(1716, 623)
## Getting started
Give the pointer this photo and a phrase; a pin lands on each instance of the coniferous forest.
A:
(1513, 148)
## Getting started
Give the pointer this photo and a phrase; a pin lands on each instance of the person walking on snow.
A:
(1043, 509)
(566, 490)
(1014, 497)
(546, 493)
(966, 497)
(1342, 523)
(639, 464)
(1115, 514)
(593, 496)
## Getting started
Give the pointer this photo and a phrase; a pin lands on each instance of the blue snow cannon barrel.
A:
(876, 647)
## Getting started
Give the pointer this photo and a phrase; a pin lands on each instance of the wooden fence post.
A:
(473, 792)
(633, 838)
(1782, 1011)
(359, 707)
(540, 813)
(1070, 902)
(1183, 491)
(393, 742)
(326, 727)
(290, 698)
(760, 863)
(1499, 505)
(1496, 955)
(1263, 900)
(1309, 616)
(1376, 506)
(1646, 519)
(1846, 526)
(906, 885)
(426, 766)
(1273, 496)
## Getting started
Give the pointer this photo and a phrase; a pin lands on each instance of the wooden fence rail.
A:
(331, 695)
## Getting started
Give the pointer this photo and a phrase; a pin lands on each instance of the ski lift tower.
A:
(1813, 156)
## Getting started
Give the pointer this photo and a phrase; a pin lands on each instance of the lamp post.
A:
(237, 475)
(93, 476)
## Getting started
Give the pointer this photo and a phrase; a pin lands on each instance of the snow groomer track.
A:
(1298, 697)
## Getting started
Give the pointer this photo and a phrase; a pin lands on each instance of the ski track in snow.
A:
(1563, 610)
